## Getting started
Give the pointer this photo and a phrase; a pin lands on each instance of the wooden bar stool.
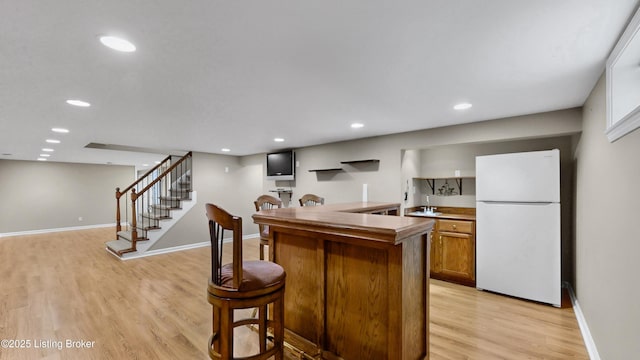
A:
(265, 202)
(241, 285)
(311, 200)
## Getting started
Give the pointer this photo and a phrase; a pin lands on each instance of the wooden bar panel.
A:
(357, 301)
(298, 256)
(357, 283)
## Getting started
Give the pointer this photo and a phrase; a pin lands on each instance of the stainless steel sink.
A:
(425, 213)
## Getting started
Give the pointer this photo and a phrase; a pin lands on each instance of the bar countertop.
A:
(347, 219)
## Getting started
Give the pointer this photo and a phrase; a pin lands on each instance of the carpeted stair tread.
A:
(146, 223)
(118, 246)
(161, 207)
(126, 235)
(171, 198)
(182, 194)
(155, 216)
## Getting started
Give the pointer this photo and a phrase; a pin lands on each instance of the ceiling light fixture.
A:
(357, 125)
(45, 155)
(53, 141)
(225, 150)
(42, 159)
(462, 106)
(117, 43)
(60, 130)
(278, 139)
(79, 103)
(47, 150)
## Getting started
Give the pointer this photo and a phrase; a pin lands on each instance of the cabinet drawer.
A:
(456, 226)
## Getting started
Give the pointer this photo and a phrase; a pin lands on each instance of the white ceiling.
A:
(212, 74)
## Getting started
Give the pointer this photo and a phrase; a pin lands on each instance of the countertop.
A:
(347, 219)
(444, 213)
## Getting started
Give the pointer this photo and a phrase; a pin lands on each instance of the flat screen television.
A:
(281, 165)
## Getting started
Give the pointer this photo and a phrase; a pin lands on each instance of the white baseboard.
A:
(45, 231)
(133, 255)
(179, 248)
(250, 236)
(582, 323)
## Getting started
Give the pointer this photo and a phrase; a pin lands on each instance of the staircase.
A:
(151, 205)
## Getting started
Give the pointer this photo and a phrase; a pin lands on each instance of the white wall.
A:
(49, 195)
(607, 234)
(411, 161)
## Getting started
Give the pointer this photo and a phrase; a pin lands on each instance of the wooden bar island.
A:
(357, 282)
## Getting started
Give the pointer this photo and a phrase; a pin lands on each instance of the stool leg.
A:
(278, 327)
(262, 327)
(215, 328)
(261, 250)
(226, 332)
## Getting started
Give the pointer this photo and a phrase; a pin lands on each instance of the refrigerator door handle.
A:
(518, 202)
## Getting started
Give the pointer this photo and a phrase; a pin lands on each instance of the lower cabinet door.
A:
(457, 255)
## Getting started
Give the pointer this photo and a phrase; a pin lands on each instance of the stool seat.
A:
(257, 277)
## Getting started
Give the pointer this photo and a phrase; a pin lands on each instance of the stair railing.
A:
(145, 193)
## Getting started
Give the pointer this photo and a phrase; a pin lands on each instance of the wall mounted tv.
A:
(281, 165)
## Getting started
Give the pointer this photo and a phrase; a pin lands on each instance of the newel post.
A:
(118, 194)
(134, 220)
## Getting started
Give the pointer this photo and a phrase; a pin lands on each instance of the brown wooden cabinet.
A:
(453, 245)
(453, 251)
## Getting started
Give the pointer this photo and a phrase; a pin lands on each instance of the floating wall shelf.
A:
(351, 162)
(360, 161)
(282, 191)
(325, 170)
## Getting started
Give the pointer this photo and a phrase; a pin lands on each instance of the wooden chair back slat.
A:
(219, 221)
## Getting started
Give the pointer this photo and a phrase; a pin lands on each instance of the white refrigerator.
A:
(518, 225)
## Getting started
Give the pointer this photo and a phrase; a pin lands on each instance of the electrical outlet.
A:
(79, 218)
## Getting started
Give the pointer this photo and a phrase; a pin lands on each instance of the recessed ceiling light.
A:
(47, 150)
(60, 130)
(53, 141)
(462, 106)
(157, 162)
(278, 139)
(45, 155)
(357, 125)
(42, 159)
(225, 150)
(117, 43)
(145, 164)
(79, 103)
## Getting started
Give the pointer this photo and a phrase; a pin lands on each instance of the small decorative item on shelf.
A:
(446, 189)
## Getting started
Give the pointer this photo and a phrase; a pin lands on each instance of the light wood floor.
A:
(65, 286)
